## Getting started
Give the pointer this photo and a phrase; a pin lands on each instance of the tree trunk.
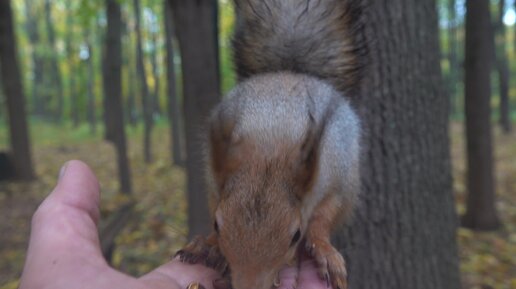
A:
(452, 58)
(113, 90)
(146, 97)
(131, 97)
(92, 114)
(201, 88)
(38, 104)
(70, 52)
(128, 58)
(54, 66)
(480, 207)
(503, 70)
(155, 74)
(403, 235)
(10, 72)
(174, 113)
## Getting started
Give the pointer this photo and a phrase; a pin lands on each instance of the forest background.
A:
(61, 48)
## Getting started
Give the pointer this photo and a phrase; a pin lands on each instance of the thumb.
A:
(64, 233)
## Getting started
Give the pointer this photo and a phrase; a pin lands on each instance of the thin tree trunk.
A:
(403, 235)
(197, 40)
(452, 58)
(146, 97)
(10, 72)
(503, 70)
(92, 114)
(31, 25)
(54, 66)
(109, 122)
(480, 207)
(2, 96)
(113, 90)
(131, 97)
(155, 73)
(128, 57)
(174, 112)
(70, 51)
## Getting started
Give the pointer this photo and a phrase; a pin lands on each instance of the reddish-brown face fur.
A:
(257, 216)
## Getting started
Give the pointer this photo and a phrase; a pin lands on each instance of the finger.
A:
(308, 277)
(71, 211)
(64, 234)
(179, 275)
(288, 278)
(79, 188)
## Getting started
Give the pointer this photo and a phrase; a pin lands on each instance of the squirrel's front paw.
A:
(202, 250)
(331, 264)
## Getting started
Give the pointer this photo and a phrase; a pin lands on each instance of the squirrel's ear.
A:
(308, 158)
(221, 141)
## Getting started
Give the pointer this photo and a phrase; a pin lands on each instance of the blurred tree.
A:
(54, 71)
(480, 207)
(2, 96)
(129, 63)
(403, 235)
(503, 69)
(174, 113)
(11, 79)
(31, 26)
(194, 21)
(153, 31)
(71, 51)
(91, 108)
(131, 97)
(142, 76)
(453, 77)
(113, 90)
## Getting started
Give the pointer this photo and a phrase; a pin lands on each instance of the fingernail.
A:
(62, 171)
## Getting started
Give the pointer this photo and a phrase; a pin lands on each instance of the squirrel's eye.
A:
(216, 227)
(296, 237)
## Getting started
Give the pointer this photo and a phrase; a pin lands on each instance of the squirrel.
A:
(283, 148)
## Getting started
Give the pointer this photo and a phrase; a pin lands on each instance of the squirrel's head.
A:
(258, 207)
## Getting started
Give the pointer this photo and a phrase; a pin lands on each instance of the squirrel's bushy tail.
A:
(322, 38)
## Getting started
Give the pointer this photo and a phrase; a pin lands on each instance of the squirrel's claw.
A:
(201, 249)
(331, 264)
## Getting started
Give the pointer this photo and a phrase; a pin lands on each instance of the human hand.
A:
(64, 249)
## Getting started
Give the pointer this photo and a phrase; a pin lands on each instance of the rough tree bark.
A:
(403, 233)
(11, 80)
(113, 90)
(503, 70)
(194, 21)
(55, 72)
(480, 206)
(146, 97)
(174, 112)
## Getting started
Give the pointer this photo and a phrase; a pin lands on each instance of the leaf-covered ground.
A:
(488, 260)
